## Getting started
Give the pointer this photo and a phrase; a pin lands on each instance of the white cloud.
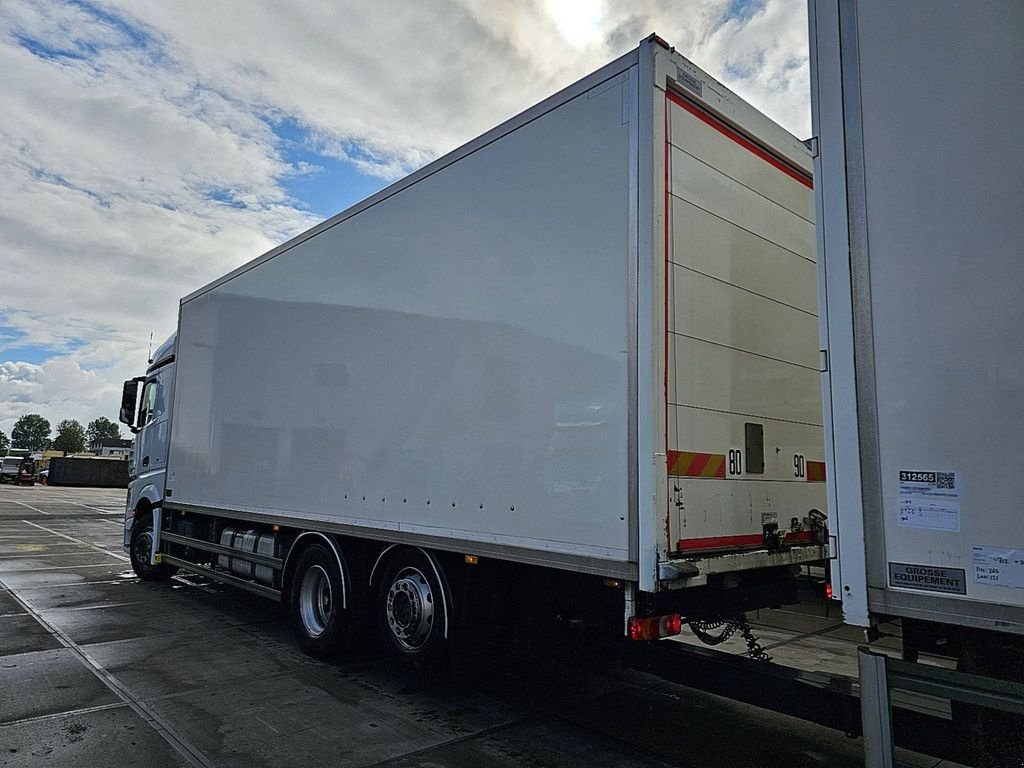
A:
(143, 162)
(66, 389)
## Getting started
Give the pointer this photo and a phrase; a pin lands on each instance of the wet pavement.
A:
(99, 669)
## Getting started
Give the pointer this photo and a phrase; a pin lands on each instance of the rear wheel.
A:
(139, 552)
(412, 609)
(317, 599)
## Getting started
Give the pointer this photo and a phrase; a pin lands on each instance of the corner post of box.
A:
(649, 464)
(875, 709)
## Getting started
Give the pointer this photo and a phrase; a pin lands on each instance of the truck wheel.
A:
(317, 592)
(412, 606)
(141, 546)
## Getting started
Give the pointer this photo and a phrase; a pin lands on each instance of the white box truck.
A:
(580, 349)
(916, 109)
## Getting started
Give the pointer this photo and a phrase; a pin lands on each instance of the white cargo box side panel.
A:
(740, 320)
(451, 361)
(933, 103)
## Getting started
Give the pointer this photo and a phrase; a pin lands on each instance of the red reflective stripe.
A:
(718, 464)
(742, 540)
(693, 464)
(700, 461)
(740, 139)
(815, 471)
(719, 542)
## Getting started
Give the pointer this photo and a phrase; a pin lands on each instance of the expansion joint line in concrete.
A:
(191, 754)
(72, 539)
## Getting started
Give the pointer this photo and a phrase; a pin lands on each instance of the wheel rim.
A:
(410, 609)
(316, 601)
(144, 547)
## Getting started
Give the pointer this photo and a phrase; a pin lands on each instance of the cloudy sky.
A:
(147, 147)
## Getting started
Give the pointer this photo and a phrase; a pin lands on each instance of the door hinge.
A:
(823, 361)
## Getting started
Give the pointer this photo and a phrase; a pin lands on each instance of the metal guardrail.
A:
(880, 674)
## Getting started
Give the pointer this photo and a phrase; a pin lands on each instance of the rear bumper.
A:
(694, 571)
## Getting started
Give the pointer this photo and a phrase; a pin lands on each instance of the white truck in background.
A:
(578, 353)
(917, 108)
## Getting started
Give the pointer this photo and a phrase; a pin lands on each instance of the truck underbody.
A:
(376, 589)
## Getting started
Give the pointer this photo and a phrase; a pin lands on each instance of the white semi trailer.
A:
(579, 352)
(916, 108)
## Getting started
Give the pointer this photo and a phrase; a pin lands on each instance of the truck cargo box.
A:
(917, 108)
(586, 339)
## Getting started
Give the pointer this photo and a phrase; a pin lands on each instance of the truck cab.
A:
(146, 410)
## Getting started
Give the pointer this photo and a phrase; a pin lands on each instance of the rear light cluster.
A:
(653, 627)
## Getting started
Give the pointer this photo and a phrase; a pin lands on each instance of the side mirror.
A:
(129, 403)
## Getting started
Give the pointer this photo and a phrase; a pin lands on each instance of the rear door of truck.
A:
(743, 418)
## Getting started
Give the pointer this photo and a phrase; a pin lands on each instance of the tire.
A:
(142, 542)
(413, 611)
(317, 592)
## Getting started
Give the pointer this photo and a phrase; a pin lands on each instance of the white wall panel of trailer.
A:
(739, 319)
(450, 362)
(918, 108)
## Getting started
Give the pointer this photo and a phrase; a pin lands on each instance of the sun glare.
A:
(578, 21)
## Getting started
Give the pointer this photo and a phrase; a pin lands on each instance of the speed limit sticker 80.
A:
(734, 462)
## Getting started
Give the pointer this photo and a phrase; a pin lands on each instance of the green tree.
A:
(70, 437)
(102, 429)
(4, 444)
(31, 431)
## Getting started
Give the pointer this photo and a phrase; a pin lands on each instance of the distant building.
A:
(109, 446)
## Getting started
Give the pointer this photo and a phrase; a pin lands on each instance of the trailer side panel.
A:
(927, 369)
(451, 361)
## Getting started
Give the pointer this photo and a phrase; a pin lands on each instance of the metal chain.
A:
(754, 649)
(729, 626)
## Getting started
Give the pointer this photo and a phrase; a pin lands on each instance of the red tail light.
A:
(828, 590)
(653, 627)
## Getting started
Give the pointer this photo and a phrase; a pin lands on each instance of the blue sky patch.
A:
(75, 44)
(15, 348)
(744, 9)
(331, 185)
(36, 355)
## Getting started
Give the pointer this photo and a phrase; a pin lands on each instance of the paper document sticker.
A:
(999, 566)
(930, 500)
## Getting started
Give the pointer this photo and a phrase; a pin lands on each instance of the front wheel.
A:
(413, 608)
(139, 552)
(317, 600)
